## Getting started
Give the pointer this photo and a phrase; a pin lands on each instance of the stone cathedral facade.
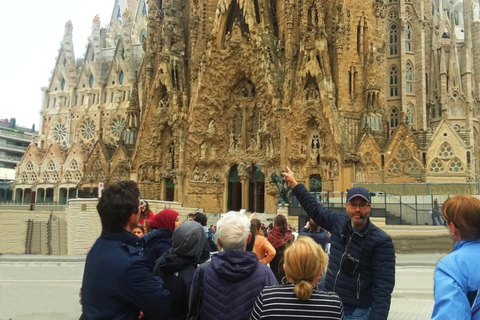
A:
(225, 93)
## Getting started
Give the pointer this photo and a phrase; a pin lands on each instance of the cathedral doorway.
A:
(256, 190)
(315, 186)
(234, 190)
(169, 190)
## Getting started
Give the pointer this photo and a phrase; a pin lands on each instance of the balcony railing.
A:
(16, 136)
(12, 147)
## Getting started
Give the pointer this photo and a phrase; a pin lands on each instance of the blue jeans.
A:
(358, 314)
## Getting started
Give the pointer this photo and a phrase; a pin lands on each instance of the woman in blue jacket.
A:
(457, 279)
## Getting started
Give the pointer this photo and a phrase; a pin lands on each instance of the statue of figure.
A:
(475, 11)
(205, 176)
(211, 127)
(151, 174)
(85, 101)
(58, 104)
(196, 174)
(203, 150)
(213, 153)
(313, 155)
(232, 141)
(333, 169)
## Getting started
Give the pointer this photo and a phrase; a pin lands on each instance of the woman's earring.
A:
(284, 280)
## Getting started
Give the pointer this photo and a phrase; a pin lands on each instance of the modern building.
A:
(14, 140)
(225, 94)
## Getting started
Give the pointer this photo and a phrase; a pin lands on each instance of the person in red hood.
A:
(159, 239)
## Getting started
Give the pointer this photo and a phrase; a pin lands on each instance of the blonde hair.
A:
(303, 260)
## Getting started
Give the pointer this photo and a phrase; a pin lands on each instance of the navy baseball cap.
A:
(358, 192)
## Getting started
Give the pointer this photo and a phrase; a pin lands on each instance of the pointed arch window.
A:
(393, 81)
(29, 166)
(143, 35)
(393, 39)
(62, 84)
(409, 77)
(74, 165)
(51, 166)
(410, 114)
(394, 118)
(144, 9)
(121, 76)
(408, 37)
(90, 81)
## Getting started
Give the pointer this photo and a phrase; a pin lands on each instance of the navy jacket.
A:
(231, 284)
(117, 282)
(372, 283)
(156, 243)
(321, 236)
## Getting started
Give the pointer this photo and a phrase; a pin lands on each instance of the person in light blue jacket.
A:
(457, 276)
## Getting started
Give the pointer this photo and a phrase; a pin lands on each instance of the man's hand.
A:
(289, 177)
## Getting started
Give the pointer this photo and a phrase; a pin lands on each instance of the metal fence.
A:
(48, 237)
(397, 210)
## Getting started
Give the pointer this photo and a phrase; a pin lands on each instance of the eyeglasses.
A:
(361, 206)
(143, 205)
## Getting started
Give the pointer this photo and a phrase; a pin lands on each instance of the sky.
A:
(32, 32)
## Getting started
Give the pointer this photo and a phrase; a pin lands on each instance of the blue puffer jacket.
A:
(372, 283)
(231, 284)
(321, 236)
(156, 243)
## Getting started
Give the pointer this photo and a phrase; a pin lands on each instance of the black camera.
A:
(350, 264)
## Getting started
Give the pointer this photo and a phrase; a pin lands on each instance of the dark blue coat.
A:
(372, 283)
(117, 282)
(231, 284)
(321, 236)
(156, 243)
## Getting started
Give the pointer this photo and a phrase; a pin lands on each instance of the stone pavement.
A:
(34, 287)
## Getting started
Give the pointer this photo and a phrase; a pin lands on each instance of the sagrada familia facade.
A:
(203, 101)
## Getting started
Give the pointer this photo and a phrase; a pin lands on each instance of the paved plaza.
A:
(46, 287)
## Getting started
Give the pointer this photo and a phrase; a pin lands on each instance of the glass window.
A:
(408, 37)
(90, 81)
(394, 117)
(410, 114)
(393, 39)
(120, 77)
(409, 77)
(393, 81)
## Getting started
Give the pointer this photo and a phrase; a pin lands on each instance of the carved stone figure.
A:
(203, 150)
(211, 127)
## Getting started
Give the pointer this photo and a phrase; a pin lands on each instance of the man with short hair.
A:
(314, 231)
(117, 282)
(361, 269)
(235, 277)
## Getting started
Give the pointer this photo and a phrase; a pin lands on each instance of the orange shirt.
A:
(264, 249)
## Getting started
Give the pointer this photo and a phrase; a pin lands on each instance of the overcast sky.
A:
(31, 33)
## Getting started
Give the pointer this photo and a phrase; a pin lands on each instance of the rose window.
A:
(394, 168)
(117, 127)
(33, 177)
(402, 153)
(78, 176)
(46, 177)
(59, 132)
(29, 166)
(88, 129)
(68, 176)
(55, 177)
(24, 177)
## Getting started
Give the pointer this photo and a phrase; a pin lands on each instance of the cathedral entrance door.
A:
(170, 190)
(256, 190)
(234, 190)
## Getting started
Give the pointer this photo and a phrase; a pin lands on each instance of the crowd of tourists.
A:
(152, 266)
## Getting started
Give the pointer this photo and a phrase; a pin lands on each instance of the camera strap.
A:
(349, 236)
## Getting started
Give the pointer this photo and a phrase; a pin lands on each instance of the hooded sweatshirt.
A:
(177, 266)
